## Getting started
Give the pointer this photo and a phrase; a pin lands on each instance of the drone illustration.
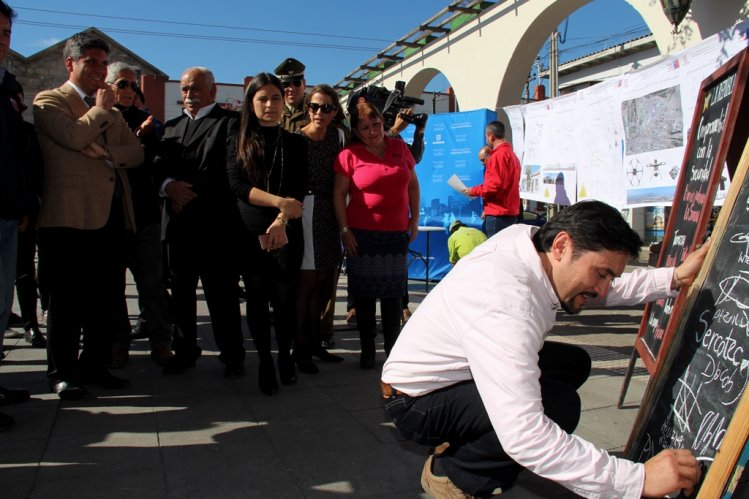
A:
(655, 165)
(634, 172)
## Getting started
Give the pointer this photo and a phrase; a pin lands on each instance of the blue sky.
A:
(331, 38)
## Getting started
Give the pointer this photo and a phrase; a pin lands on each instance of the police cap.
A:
(290, 69)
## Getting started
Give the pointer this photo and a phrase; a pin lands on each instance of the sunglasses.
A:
(296, 83)
(123, 84)
(325, 108)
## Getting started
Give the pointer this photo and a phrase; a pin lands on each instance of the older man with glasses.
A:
(143, 250)
(291, 74)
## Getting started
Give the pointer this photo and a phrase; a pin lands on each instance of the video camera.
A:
(390, 103)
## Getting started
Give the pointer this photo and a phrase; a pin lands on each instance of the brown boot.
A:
(439, 486)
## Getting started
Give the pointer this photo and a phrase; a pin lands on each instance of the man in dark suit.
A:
(15, 193)
(143, 247)
(86, 208)
(203, 222)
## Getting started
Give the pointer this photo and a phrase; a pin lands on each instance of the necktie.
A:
(91, 101)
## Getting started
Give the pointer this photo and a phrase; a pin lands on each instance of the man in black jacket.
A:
(143, 252)
(15, 193)
(203, 222)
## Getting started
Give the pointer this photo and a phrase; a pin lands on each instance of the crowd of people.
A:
(251, 204)
(275, 196)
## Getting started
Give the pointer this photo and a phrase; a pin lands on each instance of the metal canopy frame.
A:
(435, 28)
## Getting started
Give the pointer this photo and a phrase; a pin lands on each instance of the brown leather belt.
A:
(388, 391)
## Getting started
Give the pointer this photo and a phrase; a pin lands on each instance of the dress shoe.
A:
(103, 379)
(120, 357)
(182, 361)
(69, 391)
(162, 355)
(306, 365)
(286, 369)
(233, 371)
(138, 332)
(325, 356)
(35, 337)
(266, 378)
(8, 396)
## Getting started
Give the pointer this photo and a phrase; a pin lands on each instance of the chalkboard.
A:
(713, 122)
(692, 399)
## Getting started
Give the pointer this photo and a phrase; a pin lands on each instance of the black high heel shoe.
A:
(305, 364)
(325, 356)
(266, 378)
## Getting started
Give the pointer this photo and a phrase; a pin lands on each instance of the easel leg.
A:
(627, 378)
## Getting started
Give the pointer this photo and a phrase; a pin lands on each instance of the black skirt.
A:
(378, 270)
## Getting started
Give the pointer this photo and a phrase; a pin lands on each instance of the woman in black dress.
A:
(269, 181)
(322, 243)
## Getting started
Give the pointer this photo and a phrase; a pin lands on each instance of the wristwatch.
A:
(344, 230)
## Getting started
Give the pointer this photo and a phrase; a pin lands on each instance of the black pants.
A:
(26, 284)
(84, 272)
(475, 460)
(209, 261)
(143, 258)
(366, 319)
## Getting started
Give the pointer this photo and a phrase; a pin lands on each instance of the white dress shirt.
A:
(487, 321)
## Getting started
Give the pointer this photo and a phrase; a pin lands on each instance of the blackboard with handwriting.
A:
(712, 124)
(706, 371)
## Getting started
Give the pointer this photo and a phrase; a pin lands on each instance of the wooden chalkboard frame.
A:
(735, 440)
(740, 65)
(738, 427)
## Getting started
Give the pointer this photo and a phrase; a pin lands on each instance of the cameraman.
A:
(400, 124)
(417, 151)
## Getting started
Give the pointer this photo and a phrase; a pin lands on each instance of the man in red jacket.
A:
(501, 188)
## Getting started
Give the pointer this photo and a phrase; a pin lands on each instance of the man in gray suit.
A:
(86, 207)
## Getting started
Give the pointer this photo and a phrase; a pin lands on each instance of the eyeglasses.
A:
(123, 84)
(325, 108)
(296, 83)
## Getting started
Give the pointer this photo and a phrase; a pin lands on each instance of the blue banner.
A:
(452, 142)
